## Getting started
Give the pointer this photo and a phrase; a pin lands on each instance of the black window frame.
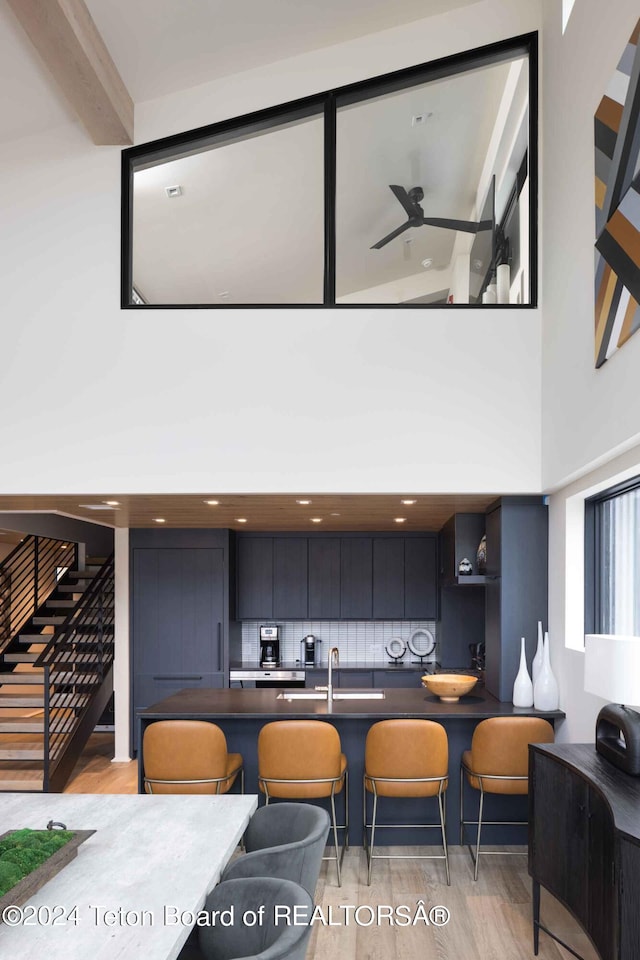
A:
(593, 600)
(328, 103)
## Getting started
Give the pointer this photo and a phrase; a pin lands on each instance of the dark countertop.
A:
(199, 704)
(357, 665)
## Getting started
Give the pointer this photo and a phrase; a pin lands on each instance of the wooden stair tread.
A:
(52, 621)
(21, 750)
(8, 700)
(16, 779)
(21, 725)
(32, 676)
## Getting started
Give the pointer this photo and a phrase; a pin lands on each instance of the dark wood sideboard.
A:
(584, 845)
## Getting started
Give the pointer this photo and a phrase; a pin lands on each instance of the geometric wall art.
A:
(617, 167)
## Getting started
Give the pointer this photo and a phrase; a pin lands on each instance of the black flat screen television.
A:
(483, 250)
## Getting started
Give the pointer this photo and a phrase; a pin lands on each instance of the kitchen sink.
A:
(341, 694)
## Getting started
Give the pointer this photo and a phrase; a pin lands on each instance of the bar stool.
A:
(303, 760)
(498, 762)
(188, 756)
(405, 758)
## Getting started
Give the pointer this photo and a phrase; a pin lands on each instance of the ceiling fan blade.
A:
(411, 208)
(392, 236)
(467, 226)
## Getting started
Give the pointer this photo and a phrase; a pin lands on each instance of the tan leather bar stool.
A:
(303, 760)
(405, 758)
(188, 756)
(498, 762)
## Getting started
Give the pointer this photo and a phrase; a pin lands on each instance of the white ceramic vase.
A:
(545, 691)
(523, 688)
(536, 666)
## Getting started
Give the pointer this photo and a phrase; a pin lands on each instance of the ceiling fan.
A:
(411, 204)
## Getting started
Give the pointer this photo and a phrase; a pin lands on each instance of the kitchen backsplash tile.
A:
(361, 641)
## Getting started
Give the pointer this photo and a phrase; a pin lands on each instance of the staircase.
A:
(56, 666)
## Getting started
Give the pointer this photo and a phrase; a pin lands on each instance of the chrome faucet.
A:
(334, 660)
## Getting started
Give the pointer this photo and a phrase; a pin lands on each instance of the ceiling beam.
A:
(67, 39)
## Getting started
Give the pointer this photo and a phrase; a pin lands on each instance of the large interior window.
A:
(413, 189)
(613, 561)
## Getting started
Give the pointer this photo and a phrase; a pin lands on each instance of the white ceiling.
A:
(30, 103)
(160, 46)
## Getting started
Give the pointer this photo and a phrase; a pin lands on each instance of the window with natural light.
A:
(616, 543)
(567, 7)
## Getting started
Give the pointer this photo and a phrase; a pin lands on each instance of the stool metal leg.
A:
(461, 805)
(477, 863)
(373, 832)
(335, 833)
(346, 810)
(441, 805)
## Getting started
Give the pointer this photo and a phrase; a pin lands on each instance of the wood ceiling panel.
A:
(337, 512)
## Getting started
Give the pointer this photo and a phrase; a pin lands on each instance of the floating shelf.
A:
(465, 581)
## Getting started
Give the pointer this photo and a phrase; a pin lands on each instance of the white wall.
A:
(566, 591)
(98, 399)
(589, 416)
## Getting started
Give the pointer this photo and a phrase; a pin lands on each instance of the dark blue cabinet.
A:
(324, 578)
(420, 578)
(255, 578)
(342, 577)
(356, 578)
(388, 578)
(290, 586)
(179, 613)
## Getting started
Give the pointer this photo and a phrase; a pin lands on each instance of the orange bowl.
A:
(449, 686)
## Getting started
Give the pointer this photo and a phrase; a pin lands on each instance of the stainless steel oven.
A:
(274, 679)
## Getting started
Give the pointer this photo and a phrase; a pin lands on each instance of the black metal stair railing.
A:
(28, 575)
(76, 662)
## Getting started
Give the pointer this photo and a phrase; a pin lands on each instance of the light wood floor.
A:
(490, 919)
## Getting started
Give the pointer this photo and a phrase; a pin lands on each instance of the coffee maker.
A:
(309, 644)
(269, 646)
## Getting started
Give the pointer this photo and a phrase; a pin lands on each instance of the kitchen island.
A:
(241, 714)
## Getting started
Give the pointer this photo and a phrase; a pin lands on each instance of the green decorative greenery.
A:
(23, 851)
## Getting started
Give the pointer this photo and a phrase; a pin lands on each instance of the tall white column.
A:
(121, 666)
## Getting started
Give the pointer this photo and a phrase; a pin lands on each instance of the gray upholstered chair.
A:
(274, 938)
(284, 840)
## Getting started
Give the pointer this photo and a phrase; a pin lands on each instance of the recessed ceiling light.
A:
(305, 503)
(408, 503)
(159, 520)
(94, 506)
(212, 503)
(401, 519)
(241, 519)
(174, 191)
(427, 263)
(224, 294)
(335, 514)
(112, 503)
(65, 546)
(316, 519)
(419, 118)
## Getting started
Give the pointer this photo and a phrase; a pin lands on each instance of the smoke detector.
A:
(427, 263)
(175, 191)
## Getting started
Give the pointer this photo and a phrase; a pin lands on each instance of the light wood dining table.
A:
(134, 884)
